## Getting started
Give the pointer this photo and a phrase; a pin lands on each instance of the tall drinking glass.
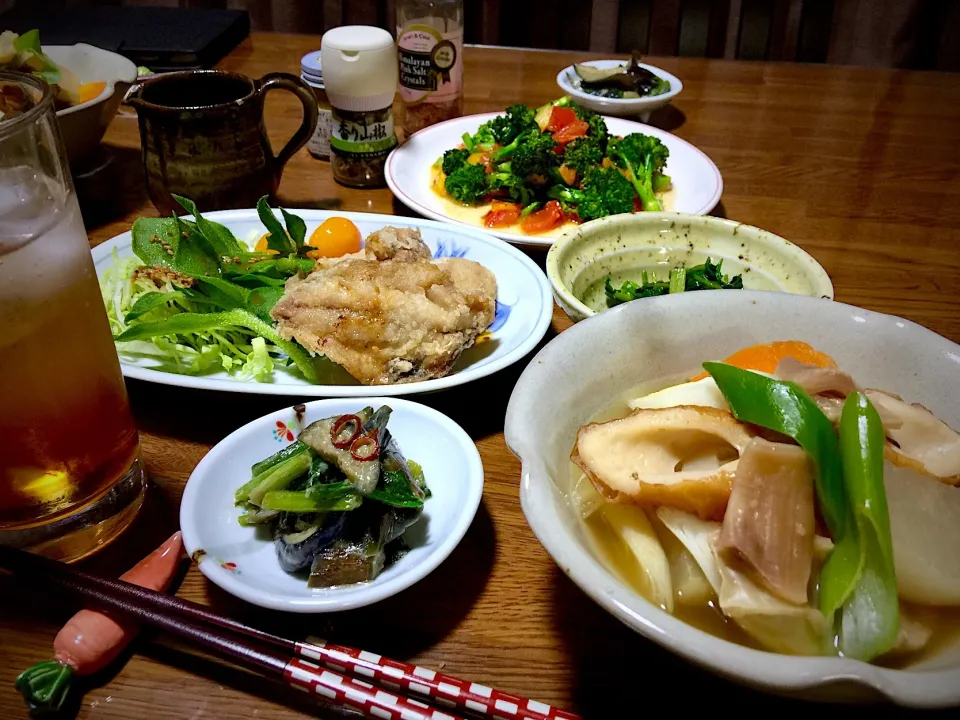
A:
(70, 475)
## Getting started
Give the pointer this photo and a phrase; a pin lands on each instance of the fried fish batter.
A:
(393, 317)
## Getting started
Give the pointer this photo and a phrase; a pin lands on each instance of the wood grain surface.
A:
(860, 167)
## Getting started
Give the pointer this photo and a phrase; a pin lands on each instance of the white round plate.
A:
(524, 309)
(697, 184)
(569, 83)
(243, 561)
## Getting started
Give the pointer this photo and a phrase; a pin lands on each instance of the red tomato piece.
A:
(560, 117)
(502, 214)
(549, 217)
(578, 128)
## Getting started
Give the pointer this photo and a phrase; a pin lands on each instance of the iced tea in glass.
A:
(70, 476)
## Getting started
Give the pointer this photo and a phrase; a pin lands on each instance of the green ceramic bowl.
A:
(623, 246)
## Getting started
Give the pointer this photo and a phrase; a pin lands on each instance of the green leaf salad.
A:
(196, 300)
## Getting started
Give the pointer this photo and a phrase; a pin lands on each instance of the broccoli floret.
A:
(582, 154)
(605, 192)
(482, 140)
(507, 151)
(503, 179)
(534, 155)
(614, 190)
(467, 184)
(517, 120)
(641, 156)
(452, 159)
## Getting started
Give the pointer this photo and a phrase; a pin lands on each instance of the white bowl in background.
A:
(569, 83)
(242, 561)
(621, 246)
(587, 368)
(83, 125)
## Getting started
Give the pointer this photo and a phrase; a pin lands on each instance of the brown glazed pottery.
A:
(203, 137)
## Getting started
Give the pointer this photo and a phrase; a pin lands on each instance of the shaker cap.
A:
(359, 67)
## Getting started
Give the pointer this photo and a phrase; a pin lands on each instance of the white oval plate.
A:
(243, 561)
(696, 180)
(524, 308)
(569, 83)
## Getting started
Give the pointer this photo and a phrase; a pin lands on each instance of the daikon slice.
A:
(925, 524)
(631, 524)
(696, 535)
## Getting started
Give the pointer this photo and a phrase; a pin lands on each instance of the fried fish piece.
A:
(396, 320)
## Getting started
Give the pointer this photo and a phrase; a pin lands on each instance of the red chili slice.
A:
(360, 443)
(339, 425)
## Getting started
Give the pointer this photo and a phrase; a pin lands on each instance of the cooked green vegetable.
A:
(467, 184)
(535, 156)
(294, 448)
(453, 159)
(583, 154)
(641, 157)
(307, 502)
(707, 276)
(787, 409)
(869, 621)
(605, 192)
(331, 506)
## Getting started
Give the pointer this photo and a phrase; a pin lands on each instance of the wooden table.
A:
(860, 167)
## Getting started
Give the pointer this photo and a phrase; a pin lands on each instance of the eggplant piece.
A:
(298, 540)
(361, 553)
(590, 75)
(364, 474)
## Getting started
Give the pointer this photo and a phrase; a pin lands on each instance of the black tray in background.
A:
(159, 38)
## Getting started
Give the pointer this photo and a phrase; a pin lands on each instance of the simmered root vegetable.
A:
(760, 490)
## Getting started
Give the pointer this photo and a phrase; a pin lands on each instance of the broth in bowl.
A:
(774, 502)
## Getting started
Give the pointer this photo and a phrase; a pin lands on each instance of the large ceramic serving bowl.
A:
(621, 246)
(590, 366)
(82, 125)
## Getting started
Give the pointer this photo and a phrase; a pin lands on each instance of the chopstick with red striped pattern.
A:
(297, 664)
(438, 688)
(355, 694)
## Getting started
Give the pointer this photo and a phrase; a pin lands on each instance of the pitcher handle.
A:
(286, 81)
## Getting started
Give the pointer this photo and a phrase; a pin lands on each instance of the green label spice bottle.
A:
(360, 77)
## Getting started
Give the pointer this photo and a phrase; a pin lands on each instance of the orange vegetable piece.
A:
(568, 174)
(335, 237)
(501, 214)
(90, 90)
(261, 245)
(766, 357)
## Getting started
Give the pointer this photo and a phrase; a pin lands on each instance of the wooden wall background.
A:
(919, 34)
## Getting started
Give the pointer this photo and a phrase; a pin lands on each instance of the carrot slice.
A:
(765, 357)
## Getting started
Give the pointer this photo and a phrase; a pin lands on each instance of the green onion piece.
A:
(869, 621)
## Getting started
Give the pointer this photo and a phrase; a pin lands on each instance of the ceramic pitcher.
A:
(203, 137)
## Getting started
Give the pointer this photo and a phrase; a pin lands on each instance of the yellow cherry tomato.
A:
(261, 245)
(335, 237)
